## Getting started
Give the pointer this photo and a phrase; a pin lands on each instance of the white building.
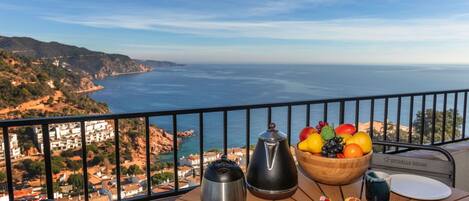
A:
(15, 150)
(194, 160)
(68, 136)
(131, 190)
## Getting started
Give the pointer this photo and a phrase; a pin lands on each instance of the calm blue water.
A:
(194, 86)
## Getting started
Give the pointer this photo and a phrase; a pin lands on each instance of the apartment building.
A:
(193, 160)
(68, 136)
(15, 150)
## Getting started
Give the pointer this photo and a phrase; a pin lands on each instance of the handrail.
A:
(65, 119)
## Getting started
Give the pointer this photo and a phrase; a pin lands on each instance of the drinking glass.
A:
(378, 186)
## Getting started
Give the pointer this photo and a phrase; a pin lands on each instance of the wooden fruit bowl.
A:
(332, 171)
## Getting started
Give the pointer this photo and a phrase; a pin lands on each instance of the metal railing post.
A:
(8, 166)
(225, 132)
(398, 121)
(411, 118)
(269, 115)
(201, 145)
(48, 161)
(385, 131)
(289, 125)
(435, 100)
(423, 119)
(445, 101)
(464, 116)
(175, 153)
(455, 112)
(357, 113)
(342, 112)
(147, 158)
(118, 158)
(248, 136)
(325, 112)
(84, 156)
(372, 116)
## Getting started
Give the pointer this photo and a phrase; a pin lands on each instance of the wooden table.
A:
(311, 191)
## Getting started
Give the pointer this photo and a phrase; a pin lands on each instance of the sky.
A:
(252, 31)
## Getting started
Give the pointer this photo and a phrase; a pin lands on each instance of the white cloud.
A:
(366, 29)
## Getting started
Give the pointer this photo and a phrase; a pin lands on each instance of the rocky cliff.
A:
(97, 64)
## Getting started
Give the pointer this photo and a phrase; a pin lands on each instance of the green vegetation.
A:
(76, 181)
(3, 177)
(15, 95)
(427, 132)
(26, 81)
(97, 160)
(68, 153)
(32, 169)
(57, 164)
(132, 170)
(92, 148)
(93, 63)
(74, 165)
(25, 136)
(160, 178)
(428, 129)
(160, 166)
(3, 181)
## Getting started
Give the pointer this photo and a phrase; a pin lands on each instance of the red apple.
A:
(345, 129)
(306, 132)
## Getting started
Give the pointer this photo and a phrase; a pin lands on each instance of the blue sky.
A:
(252, 31)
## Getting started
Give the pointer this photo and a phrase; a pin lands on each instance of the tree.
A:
(3, 180)
(57, 164)
(159, 178)
(427, 134)
(98, 159)
(67, 153)
(74, 165)
(3, 177)
(76, 181)
(92, 148)
(32, 169)
(134, 170)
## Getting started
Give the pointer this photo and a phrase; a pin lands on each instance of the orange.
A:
(352, 151)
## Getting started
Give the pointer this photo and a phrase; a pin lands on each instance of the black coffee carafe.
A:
(272, 171)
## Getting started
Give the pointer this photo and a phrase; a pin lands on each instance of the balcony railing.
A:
(399, 101)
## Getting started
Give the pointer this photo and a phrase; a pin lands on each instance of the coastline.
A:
(130, 73)
(89, 90)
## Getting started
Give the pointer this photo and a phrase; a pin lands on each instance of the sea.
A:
(211, 85)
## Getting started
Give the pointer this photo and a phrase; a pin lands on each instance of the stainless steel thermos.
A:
(223, 181)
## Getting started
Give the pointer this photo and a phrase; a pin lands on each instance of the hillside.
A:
(97, 64)
(42, 89)
(156, 64)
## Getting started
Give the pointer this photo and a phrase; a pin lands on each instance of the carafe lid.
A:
(272, 134)
(223, 170)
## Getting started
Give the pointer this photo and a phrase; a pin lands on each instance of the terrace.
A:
(389, 118)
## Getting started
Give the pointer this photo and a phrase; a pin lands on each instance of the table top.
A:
(308, 190)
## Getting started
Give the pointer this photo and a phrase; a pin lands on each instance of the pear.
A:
(312, 144)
